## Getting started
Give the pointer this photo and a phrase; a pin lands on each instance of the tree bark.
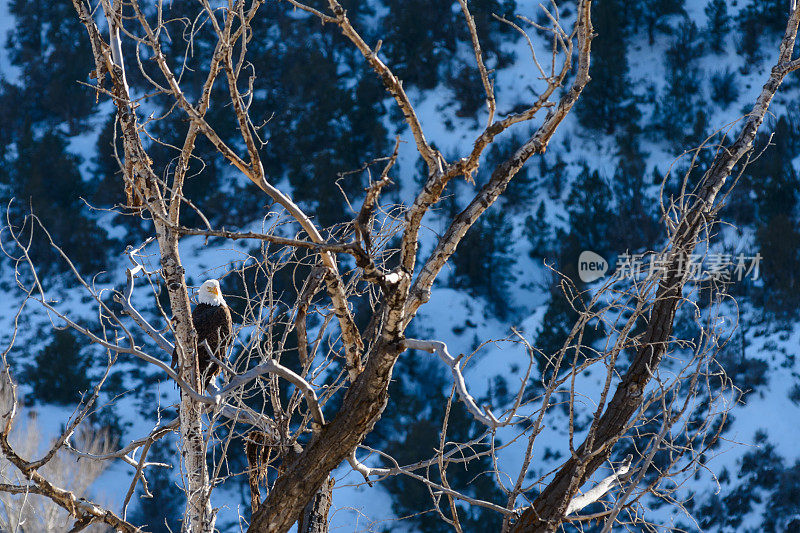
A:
(361, 408)
(549, 508)
(315, 515)
(144, 183)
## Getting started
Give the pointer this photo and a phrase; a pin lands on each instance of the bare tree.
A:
(661, 395)
(28, 511)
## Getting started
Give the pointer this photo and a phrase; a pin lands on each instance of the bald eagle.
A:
(212, 320)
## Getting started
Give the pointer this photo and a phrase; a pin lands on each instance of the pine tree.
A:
(46, 178)
(419, 47)
(758, 18)
(687, 47)
(590, 214)
(653, 15)
(463, 76)
(760, 477)
(484, 260)
(468, 91)
(60, 371)
(491, 32)
(724, 87)
(718, 25)
(47, 43)
(635, 222)
(555, 176)
(607, 103)
(326, 121)
(557, 323)
(631, 157)
(416, 46)
(777, 236)
(774, 175)
(539, 233)
(676, 111)
(40, 111)
(591, 221)
(555, 328)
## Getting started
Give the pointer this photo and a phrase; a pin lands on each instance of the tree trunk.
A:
(314, 518)
(143, 184)
(549, 508)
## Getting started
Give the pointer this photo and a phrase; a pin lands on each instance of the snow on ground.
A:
(360, 508)
(7, 71)
(462, 321)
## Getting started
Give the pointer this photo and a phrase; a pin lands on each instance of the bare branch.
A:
(476, 46)
(484, 416)
(125, 301)
(599, 490)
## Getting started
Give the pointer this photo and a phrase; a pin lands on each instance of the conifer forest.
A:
(399, 266)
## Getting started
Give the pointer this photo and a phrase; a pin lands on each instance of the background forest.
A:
(666, 74)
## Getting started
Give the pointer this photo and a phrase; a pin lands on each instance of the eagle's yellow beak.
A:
(214, 291)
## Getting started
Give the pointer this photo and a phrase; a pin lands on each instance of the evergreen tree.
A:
(635, 224)
(484, 261)
(317, 123)
(592, 220)
(491, 32)
(653, 15)
(778, 242)
(718, 24)
(415, 45)
(780, 509)
(468, 91)
(325, 121)
(675, 112)
(558, 320)
(538, 231)
(60, 371)
(687, 47)
(724, 87)
(46, 179)
(463, 76)
(774, 179)
(555, 176)
(40, 111)
(767, 197)
(758, 18)
(760, 476)
(590, 214)
(607, 103)
(419, 47)
(47, 41)
(631, 157)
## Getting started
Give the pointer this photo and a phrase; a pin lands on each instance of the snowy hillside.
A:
(663, 82)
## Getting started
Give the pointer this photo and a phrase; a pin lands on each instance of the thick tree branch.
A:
(420, 291)
(549, 507)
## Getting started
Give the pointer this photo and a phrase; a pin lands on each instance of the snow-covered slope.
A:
(463, 320)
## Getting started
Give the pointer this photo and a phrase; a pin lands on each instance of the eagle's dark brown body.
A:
(214, 326)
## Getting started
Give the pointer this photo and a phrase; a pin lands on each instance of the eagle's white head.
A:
(210, 293)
